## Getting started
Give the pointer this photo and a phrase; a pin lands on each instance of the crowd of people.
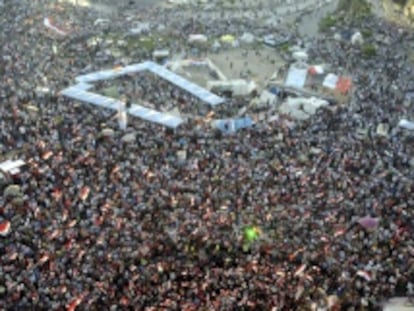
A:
(151, 91)
(105, 224)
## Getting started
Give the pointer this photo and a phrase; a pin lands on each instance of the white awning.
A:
(190, 87)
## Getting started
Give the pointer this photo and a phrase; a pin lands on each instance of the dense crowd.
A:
(152, 92)
(105, 224)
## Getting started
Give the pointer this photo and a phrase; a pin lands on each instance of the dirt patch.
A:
(397, 14)
(259, 65)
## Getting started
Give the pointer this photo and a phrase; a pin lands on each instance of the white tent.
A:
(330, 81)
(357, 38)
(247, 38)
(267, 98)
(161, 54)
(11, 166)
(179, 1)
(140, 28)
(297, 75)
(300, 56)
(408, 125)
(197, 38)
(302, 108)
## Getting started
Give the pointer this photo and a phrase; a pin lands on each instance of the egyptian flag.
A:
(365, 275)
(74, 303)
(5, 228)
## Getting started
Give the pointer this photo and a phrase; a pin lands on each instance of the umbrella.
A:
(368, 222)
(227, 38)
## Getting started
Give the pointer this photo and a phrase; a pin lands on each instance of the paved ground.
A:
(309, 23)
(234, 61)
(398, 304)
(261, 67)
(109, 7)
(392, 13)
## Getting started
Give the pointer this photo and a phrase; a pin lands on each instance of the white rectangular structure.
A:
(408, 125)
(330, 81)
(296, 77)
(80, 92)
(11, 167)
(162, 72)
(147, 114)
(155, 116)
(91, 98)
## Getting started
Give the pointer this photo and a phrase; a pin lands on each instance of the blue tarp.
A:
(233, 125)
(346, 35)
(274, 90)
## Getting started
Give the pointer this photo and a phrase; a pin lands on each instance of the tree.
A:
(401, 2)
(354, 9)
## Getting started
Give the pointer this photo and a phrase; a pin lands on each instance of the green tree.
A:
(400, 2)
(368, 50)
(354, 9)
